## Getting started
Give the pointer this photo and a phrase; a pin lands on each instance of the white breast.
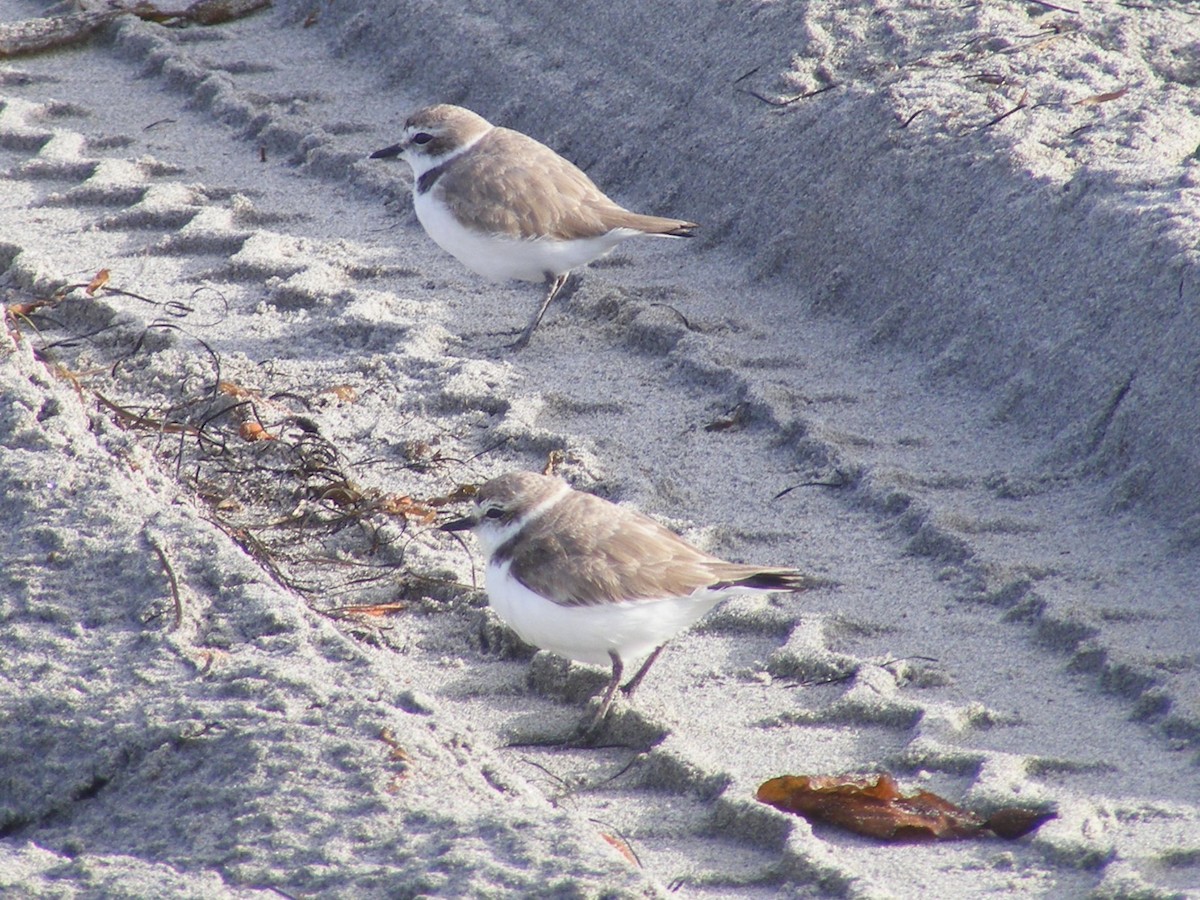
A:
(503, 258)
(587, 633)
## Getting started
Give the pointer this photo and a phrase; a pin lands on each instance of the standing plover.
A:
(509, 207)
(596, 582)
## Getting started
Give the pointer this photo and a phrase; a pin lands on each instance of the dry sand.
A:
(952, 300)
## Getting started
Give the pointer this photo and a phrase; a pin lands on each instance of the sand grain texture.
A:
(947, 269)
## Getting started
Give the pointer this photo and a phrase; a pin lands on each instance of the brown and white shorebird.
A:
(509, 207)
(595, 582)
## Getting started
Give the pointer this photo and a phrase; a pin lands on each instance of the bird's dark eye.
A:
(422, 138)
(494, 513)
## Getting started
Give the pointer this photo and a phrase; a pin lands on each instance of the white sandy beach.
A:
(946, 289)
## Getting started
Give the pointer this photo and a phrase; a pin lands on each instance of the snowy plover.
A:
(509, 207)
(596, 582)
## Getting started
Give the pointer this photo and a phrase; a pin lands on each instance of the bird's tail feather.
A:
(776, 580)
(653, 225)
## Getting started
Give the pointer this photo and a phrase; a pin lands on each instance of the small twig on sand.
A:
(1021, 104)
(837, 480)
(780, 101)
(166, 564)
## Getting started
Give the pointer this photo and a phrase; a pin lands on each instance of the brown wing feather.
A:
(627, 556)
(513, 198)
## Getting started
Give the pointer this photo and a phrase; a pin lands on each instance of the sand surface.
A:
(946, 290)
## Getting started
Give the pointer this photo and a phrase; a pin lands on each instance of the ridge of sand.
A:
(990, 499)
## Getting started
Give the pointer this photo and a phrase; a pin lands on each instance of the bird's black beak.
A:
(388, 152)
(464, 524)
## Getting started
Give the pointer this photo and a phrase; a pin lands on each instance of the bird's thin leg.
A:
(554, 284)
(609, 691)
(632, 686)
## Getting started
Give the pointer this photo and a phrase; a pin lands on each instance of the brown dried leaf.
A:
(23, 309)
(252, 431)
(398, 752)
(376, 610)
(622, 846)
(1102, 98)
(217, 12)
(554, 459)
(96, 283)
(344, 392)
(460, 494)
(397, 505)
(230, 389)
(872, 805)
(202, 12)
(398, 755)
